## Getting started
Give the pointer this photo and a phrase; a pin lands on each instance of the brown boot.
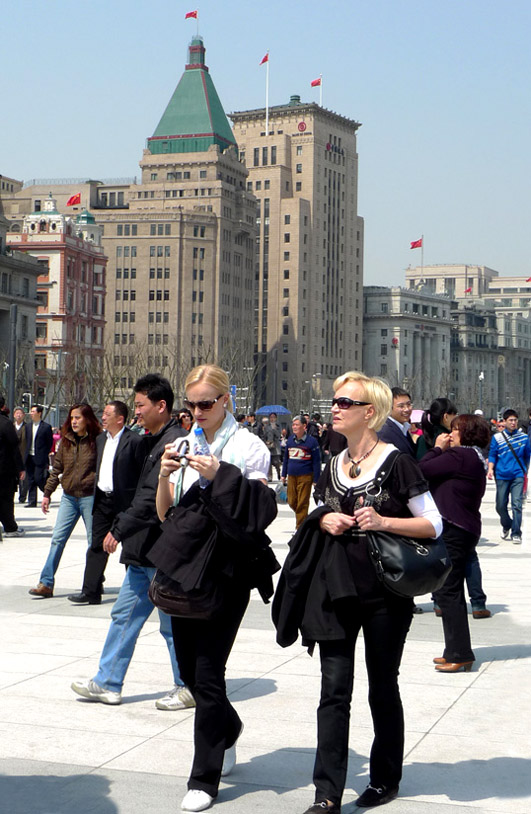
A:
(41, 590)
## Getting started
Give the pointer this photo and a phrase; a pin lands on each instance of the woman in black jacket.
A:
(456, 471)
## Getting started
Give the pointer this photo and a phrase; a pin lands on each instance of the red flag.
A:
(528, 280)
(416, 244)
(74, 199)
(265, 59)
(315, 83)
(191, 14)
(468, 290)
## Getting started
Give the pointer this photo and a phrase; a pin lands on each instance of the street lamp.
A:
(481, 380)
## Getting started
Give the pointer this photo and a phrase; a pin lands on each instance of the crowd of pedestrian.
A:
(183, 495)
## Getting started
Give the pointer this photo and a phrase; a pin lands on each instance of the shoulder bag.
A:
(200, 603)
(406, 566)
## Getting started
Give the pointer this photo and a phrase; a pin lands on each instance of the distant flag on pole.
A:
(315, 83)
(74, 199)
(468, 291)
(528, 280)
(416, 244)
(265, 59)
(191, 14)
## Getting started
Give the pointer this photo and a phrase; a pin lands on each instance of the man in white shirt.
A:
(120, 454)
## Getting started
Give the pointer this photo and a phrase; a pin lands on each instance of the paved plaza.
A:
(468, 741)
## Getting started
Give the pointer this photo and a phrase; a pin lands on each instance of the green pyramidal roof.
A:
(194, 118)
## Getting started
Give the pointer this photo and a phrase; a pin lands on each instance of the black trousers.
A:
(385, 627)
(37, 477)
(202, 649)
(7, 507)
(103, 515)
(451, 597)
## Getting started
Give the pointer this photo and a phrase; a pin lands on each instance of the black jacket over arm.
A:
(138, 527)
(220, 530)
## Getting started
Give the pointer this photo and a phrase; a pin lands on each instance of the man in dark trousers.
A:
(19, 423)
(39, 442)
(120, 455)
(396, 428)
(11, 469)
(302, 467)
(137, 529)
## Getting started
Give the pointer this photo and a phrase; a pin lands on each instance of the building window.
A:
(298, 186)
(286, 256)
(273, 155)
(287, 237)
(264, 156)
(383, 350)
(298, 169)
(299, 149)
(286, 274)
(287, 219)
(256, 156)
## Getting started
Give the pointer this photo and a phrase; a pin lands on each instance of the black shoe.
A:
(323, 808)
(376, 796)
(83, 599)
(30, 505)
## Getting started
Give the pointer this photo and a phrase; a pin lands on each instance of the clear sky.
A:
(442, 90)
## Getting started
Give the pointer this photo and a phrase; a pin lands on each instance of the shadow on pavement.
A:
(55, 794)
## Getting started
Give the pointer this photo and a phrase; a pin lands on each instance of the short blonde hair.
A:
(375, 391)
(213, 375)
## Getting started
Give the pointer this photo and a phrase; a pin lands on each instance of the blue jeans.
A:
(70, 510)
(130, 612)
(514, 488)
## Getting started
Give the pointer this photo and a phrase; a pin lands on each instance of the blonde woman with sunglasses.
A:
(329, 591)
(231, 483)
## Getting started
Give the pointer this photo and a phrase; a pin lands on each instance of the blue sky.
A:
(442, 90)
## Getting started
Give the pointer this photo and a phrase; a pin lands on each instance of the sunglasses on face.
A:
(344, 403)
(203, 405)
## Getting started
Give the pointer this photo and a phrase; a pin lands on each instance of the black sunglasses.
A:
(203, 405)
(344, 403)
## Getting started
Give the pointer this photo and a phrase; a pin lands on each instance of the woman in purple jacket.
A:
(456, 472)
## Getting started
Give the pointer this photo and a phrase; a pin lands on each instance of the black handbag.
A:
(199, 603)
(405, 565)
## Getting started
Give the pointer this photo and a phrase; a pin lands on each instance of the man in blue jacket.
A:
(509, 455)
(302, 465)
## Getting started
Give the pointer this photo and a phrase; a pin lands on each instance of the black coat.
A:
(126, 467)
(220, 530)
(392, 434)
(138, 527)
(10, 458)
(43, 443)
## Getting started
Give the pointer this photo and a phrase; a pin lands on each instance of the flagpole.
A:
(267, 95)
(321, 90)
(422, 257)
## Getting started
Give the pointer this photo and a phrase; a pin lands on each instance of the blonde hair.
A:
(212, 375)
(375, 391)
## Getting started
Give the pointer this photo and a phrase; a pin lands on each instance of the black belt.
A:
(105, 494)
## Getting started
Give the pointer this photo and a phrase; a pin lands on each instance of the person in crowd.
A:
(11, 474)
(75, 468)
(39, 442)
(272, 442)
(435, 421)
(254, 426)
(509, 455)
(396, 428)
(333, 443)
(186, 419)
(119, 459)
(232, 480)
(19, 423)
(456, 472)
(329, 590)
(137, 529)
(301, 467)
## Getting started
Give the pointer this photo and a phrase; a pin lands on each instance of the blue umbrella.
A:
(273, 408)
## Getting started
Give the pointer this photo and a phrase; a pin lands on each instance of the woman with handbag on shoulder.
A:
(329, 589)
(213, 550)
(456, 472)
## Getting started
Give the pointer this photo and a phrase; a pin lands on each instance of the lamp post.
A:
(481, 380)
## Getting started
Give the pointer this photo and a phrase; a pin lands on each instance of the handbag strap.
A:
(514, 453)
(380, 478)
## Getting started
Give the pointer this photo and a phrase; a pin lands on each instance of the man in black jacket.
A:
(120, 455)
(39, 442)
(396, 428)
(138, 528)
(11, 469)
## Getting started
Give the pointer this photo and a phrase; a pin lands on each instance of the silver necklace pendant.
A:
(354, 471)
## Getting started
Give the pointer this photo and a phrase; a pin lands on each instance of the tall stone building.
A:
(309, 249)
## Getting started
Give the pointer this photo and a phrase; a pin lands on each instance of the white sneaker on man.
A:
(17, 533)
(178, 698)
(196, 800)
(88, 688)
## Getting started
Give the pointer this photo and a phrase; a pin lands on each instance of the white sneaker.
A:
(516, 539)
(229, 760)
(178, 698)
(196, 800)
(18, 533)
(89, 689)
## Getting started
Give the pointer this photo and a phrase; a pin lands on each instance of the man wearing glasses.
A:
(396, 428)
